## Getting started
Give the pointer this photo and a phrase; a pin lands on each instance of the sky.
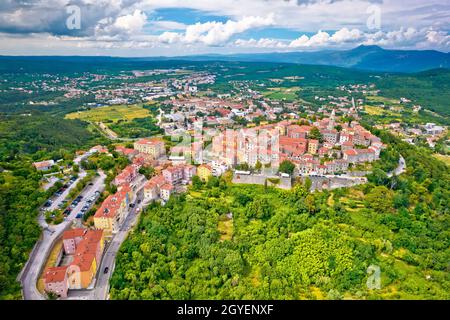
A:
(184, 27)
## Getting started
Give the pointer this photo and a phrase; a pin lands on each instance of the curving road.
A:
(401, 168)
(32, 270)
(101, 288)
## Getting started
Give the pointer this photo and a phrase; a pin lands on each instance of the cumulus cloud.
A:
(261, 43)
(124, 25)
(216, 33)
(127, 23)
(50, 16)
(343, 38)
(323, 38)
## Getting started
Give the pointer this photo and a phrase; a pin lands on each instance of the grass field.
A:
(443, 158)
(51, 262)
(226, 229)
(280, 93)
(382, 100)
(111, 113)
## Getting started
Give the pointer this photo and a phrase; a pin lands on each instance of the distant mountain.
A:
(371, 58)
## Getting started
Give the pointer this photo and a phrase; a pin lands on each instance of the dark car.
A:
(106, 270)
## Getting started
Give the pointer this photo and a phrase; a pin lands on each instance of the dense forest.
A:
(223, 241)
(431, 89)
(42, 136)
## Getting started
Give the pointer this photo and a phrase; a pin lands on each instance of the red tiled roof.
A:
(83, 261)
(112, 203)
(152, 141)
(167, 186)
(55, 274)
(73, 233)
(351, 152)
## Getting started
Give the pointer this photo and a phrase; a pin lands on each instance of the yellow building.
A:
(313, 146)
(111, 214)
(81, 271)
(87, 257)
(204, 172)
(153, 147)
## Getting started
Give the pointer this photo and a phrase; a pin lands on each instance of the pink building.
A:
(127, 175)
(71, 238)
(55, 280)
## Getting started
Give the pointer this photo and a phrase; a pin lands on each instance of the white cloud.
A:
(216, 33)
(323, 38)
(261, 43)
(131, 22)
(122, 27)
(346, 35)
(345, 38)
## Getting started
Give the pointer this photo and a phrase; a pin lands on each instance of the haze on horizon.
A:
(174, 27)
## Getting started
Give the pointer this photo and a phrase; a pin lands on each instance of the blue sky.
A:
(179, 27)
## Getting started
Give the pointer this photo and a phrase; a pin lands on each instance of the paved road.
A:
(101, 289)
(400, 169)
(50, 234)
(51, 182)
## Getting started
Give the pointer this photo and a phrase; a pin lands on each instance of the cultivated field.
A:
(280, 93)
(111, 113)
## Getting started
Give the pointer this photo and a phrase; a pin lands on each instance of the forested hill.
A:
(296, 244)
(371, 58)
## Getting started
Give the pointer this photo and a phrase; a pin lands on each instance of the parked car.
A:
(79, 216)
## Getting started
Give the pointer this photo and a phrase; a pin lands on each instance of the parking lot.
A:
(58, 199)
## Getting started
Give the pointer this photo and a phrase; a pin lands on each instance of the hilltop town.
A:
(190, 132)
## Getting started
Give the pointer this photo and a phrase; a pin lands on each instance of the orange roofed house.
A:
(86, 248)
(55, 280)
(111, 214)
(86, 260)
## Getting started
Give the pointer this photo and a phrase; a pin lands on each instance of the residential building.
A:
(113, 210)
(153, 147)
(44, 165)
(55, 281)
(204, 172)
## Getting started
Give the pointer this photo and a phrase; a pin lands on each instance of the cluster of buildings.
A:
(430, 132)
(163, 185)
(83, 249)
(338, 146)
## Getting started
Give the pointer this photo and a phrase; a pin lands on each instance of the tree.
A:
(258, 165)
(380, 199)
(148, 172)
(308, 183)
(378, 177)
(315, 134)
(197, 183)
(287, 167)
